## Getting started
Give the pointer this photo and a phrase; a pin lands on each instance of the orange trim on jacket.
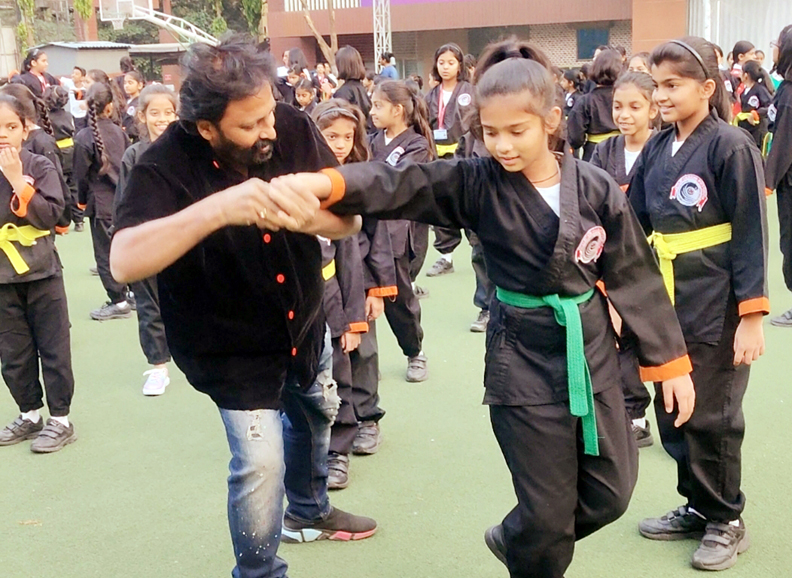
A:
(338, 188)
(676, 368)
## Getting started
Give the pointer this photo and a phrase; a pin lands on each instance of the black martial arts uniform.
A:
(34, 83)
(96, 192)
(591, 120)
(757, 98)
(714, 179)
(355, 93)
(344, 306)
(778, 169)
(570, 98)
(63, 132)
(609, 156)
(151, 329)
(34, 318)
(404, 310)
(446, 136)
(39, 142)
(129, 121)
(563, 493)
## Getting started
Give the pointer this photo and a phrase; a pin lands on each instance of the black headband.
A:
(694, 52)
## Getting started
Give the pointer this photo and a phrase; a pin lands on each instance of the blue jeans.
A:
(258, 468)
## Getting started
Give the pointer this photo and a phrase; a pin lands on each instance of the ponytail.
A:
(416, 114)
(99, 96)
(509, 48)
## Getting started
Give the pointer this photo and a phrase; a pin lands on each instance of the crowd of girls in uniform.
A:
(499, 147)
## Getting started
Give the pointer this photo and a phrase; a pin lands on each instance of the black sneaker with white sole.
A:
(720, 546)
(54, 437)
(679, 524)
(112, 311)
(19, 430)
(339, 526)
(480, 324)
(440, 267)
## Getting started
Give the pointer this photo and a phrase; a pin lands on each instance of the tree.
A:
(25, 28)
(84, 9)
(329, 51)
(257, 14)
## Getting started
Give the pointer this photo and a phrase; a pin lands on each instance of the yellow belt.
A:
(329, 270)
(25, 236)
(598, 138)
(443, 150)
(65, 143)
(673, 244)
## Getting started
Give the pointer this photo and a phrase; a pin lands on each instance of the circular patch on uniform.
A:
(464, 100)
(570, 101)
(591, 245)
(771, 113)
(753, 101)
(394, 157)
(690, 191)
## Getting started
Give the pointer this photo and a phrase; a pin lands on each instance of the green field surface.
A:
(142, 494)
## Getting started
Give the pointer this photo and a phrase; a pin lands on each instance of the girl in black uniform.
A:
(551, 227)
(62, 121)
(778, 169)
(636, 115)
(448, 104)
(98, 151)
(572, 82)
(34, 73)
(156, 110)
(352, 71)
(305, 96)
(355, 356)
(133, 84)
(404, 135)
(710, 234)
(754, 102)
(33, 312)
(590, 121)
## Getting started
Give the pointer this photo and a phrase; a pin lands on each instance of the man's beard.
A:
(235, 155)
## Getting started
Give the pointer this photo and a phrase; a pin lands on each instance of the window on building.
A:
(588, 39)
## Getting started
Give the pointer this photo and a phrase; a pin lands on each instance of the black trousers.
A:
(77, 214)
(404, 311)
(485, 289)
(151, 329)
(707, 448)
(563, 495)
(784, 199)
(34, 328)
(419, 234)
(357, 376)
(446, 240)
(636, 397)
(100, 234)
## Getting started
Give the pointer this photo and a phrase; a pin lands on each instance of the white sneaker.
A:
(156, 382)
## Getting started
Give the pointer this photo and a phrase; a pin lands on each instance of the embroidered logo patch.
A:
(771, 113)
(464, 100)
(690, 191)
(591, 245)
(394, 157)
(753, 101)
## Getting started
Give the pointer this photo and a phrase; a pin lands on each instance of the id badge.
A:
(441, 134)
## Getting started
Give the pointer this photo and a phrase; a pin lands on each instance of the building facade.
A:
(568, 30)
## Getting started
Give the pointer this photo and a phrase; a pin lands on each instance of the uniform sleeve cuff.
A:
(20, 201)
(82, 206)
(677, 368)
(358, 327)
(338, 188)
(383, 291)
(757, 305)
(768, 191)
(62, 230)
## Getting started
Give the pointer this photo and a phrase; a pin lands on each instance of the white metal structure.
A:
(117, 11)
(383, 40)
(725, 22)
(297, 5)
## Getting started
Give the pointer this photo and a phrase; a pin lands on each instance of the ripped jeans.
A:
(258, 469)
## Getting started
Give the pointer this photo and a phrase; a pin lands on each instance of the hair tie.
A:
(695, 53)
(514, 53)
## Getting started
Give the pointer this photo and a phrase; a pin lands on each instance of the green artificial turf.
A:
(142, 493)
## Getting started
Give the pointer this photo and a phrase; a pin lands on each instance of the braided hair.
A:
(406, 94)
(99, 96)
(36, 110)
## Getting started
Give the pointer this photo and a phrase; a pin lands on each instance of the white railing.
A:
(297, 5)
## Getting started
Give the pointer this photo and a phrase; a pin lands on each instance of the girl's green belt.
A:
(567, 314)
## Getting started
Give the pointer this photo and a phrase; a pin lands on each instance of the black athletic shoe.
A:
(417, 369)
(421, 292)
(54, 437)
(679, 524)
(493, 537)
(643, 435)
(368, 439)
(79, 227)
(112, 311)
(337, 471)
(19, 430)
(783, 320)
(720, 546)
(338, 526)
(440, 267)
(480, 324)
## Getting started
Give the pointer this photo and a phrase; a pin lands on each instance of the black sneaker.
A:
(721, 545)
(643, 435)
(112, 311)
(130, 298)
(679, 524)
(368, 439)
(338, 526)
(421, 292)
(417, 369)
(783, 320)
(440, 267)
(480, 324)
(79, 227)
(19, 430)
(54, 437)
(337, 471)
(493, 537)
